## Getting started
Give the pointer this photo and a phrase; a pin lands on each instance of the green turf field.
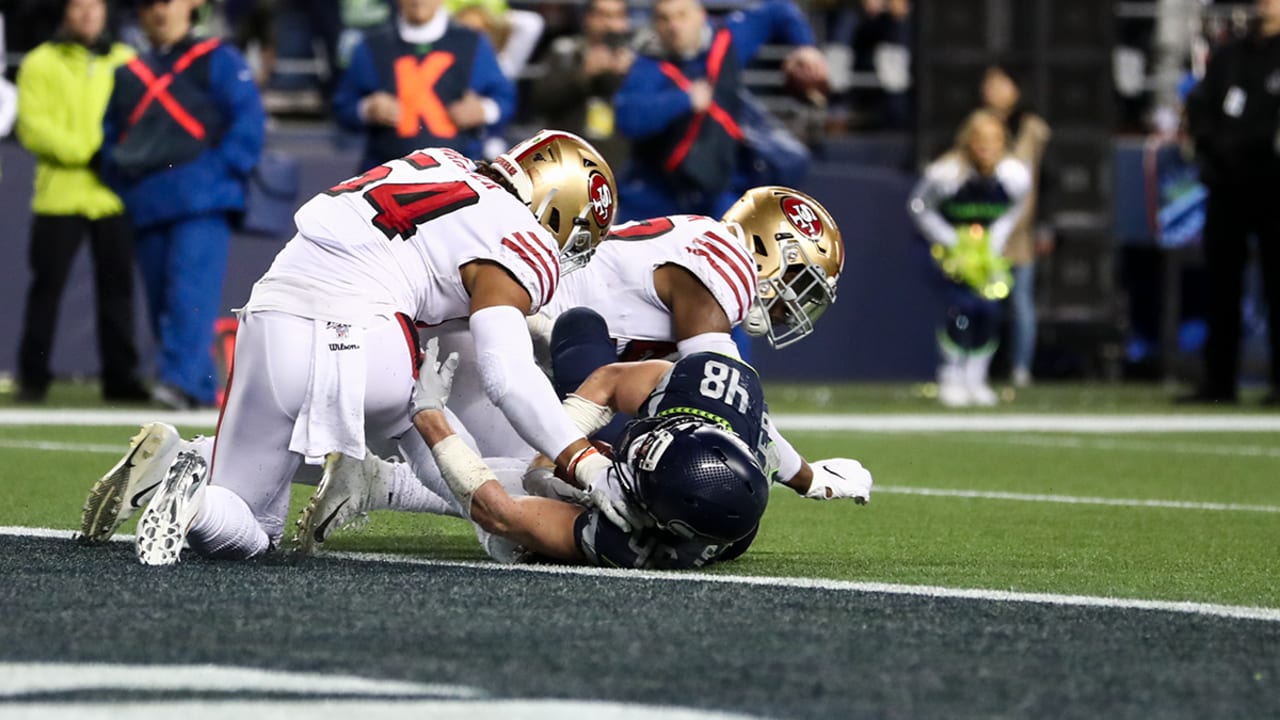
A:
(1208, 550)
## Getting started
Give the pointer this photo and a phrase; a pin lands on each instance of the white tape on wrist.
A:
(588, 415)
(587, 466)
(462, 469)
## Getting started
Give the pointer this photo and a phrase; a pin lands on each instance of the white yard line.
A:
(884, 489)
(978, 423)
(1191, 608)
(117, 449)
(88, 418)
(1065, 443)
(954, 422)
(46, 678)
(1125, 445)
(1072, 499)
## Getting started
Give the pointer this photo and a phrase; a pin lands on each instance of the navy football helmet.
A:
(693, 478)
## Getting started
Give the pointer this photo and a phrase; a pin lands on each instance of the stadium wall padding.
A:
(881, 327)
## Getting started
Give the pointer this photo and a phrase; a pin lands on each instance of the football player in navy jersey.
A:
(688, 483)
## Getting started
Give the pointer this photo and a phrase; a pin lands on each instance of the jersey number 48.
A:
(723, 383)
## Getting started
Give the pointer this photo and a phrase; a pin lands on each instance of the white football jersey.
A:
(618, 282)
(392, 240)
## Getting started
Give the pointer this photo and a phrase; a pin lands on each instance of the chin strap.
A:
(757, 322)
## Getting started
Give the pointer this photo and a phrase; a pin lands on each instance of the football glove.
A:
(542, 482)
(604, 492)
(838, 478)
(435, 379)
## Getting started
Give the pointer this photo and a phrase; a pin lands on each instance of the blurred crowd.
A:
(147, 121)
(299, 49)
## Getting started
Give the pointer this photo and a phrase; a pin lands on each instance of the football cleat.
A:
(348, 490)
(162, 529)
(129, 484)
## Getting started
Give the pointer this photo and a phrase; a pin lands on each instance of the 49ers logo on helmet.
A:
(601, 196)
(802, 217)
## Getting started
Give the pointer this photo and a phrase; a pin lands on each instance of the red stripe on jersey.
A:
(716, 245)
(737, 295)
(542, 253)
(537, 271)
(741, 261)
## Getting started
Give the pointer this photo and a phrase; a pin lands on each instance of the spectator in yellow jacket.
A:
(63, 88)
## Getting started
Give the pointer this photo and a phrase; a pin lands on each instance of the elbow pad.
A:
(716, 342)
(513, 382)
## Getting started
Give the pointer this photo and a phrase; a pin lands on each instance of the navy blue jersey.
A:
(717, 388)
(710, 386)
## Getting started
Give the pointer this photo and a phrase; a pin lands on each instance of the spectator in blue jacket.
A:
(425, 82)
(679, 103)
(183, 131)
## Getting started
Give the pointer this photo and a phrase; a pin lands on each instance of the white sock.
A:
(977, 365)
(405, 492)
(225, 527)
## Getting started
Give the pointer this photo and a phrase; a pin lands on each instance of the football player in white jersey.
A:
(664, 287)
(673, 286)
(327, 351)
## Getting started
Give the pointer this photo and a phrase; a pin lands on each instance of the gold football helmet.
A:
(568, 186)
(799, 256)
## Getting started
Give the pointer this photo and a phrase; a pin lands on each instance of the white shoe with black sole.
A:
(349, 489)
(130, 483)
(162, 529)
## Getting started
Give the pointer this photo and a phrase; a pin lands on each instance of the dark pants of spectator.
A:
(183, 264)
(971, 323)
(55, 240)
(326, 22)
(1231, 216)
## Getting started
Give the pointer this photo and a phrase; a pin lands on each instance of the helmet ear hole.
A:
(760, 247)
(553, 221)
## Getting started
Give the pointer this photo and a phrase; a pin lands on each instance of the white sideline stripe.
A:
(1067, 443)
(37, 678)
(1241, 612)
(345, 709)
(890, 423)
(1182, 448)
(1072, 499)
(116, 449)
(1030, 423)
(891, 489)
(98, 418)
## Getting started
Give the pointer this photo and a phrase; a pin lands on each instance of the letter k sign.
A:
(416, 89)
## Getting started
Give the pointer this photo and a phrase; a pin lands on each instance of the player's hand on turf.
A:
(435, 379)
(838, 478)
